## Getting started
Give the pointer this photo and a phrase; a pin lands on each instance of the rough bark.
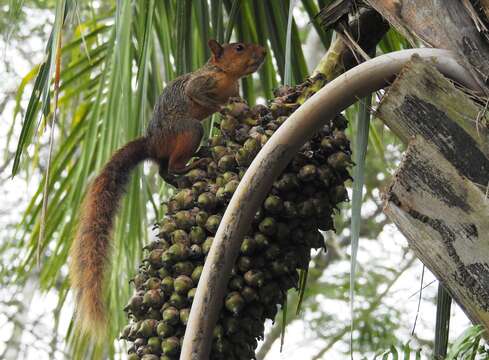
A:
(367, 30)
(438, 196)
(441, 24)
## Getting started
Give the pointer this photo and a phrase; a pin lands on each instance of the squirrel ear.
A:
(215, 47)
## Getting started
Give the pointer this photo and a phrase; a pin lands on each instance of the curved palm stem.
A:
(272, 159)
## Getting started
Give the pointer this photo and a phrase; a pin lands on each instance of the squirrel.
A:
(172, 137)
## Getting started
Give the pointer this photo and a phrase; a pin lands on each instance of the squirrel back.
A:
(172, 138)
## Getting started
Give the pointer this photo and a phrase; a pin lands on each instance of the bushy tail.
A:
(90, 252)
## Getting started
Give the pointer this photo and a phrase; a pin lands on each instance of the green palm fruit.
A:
(218, 152)
(154, 344)
(261, 240)
(177, 300)
(234, 302)
(180, 237)
(184, 219)
(196, 252)
(153, 314)
(212, 223)
(168, 226)
(158, 244)
(171, 316)
(212, 169)
(243, 157)
(273, 204)
(152, 283)
(206, 246)
(230, 188)
(134, 303)
(147, 328)
(241, 133)
(340, 140)
(140, 342)
(228, 126)
(248, 246)
(207, 201)
(185, 199)
(154, 258)
(201, 218)
(196, 175)
(199, 187)
(183, 284)
(170, 346)
(172, 206)
(153, 298)
(252, 146)
(339, 160)
(163, 329)
(184, 315)
(139, 279)
(178, 251)
(268, 226)
(167, 284)
(244, 263)
(307, 173)
(196, 273)
(229, 176)
(197, 235)
(221, 195)
(254, 278)
(327, 145)
(143, 351)
(216, 140)
(227, 163)
(191, 294)
(238, 109)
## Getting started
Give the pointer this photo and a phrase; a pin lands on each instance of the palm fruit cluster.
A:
(277, 246)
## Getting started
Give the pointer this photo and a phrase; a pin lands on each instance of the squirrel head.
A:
(237, 59)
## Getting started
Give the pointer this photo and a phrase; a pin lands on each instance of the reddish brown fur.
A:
(172, 138)
(186, 143)
(91, 249)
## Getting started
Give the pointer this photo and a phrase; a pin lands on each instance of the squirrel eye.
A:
(239, 47)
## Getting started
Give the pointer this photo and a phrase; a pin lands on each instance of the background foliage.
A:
(116, 58)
